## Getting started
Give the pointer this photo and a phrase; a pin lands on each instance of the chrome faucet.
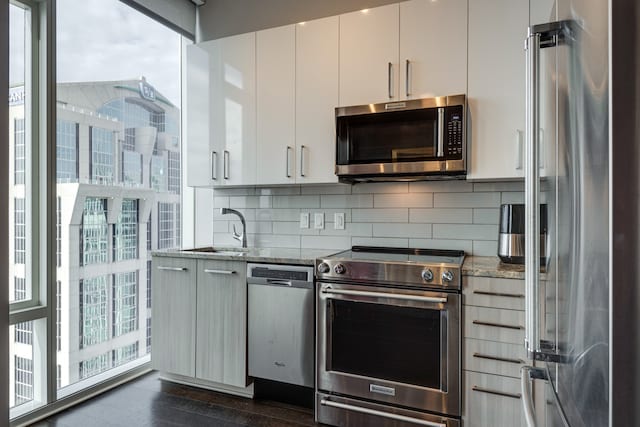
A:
(238, 236)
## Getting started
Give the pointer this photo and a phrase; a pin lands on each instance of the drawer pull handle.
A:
(497, 393)
(499, 294)
(499, 359)
(212, 271)
(172, 268)
(497, 325)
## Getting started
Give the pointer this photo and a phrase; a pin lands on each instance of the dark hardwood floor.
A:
(149, 401)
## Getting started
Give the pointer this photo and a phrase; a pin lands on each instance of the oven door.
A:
(390, 345)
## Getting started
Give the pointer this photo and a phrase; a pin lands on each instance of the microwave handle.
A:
(441, 132)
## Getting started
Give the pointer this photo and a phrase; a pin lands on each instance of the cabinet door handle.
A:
(496, 325)
(214, 165)
(406, 78)
(288, 162)
(499, 359)
(302, 148)
(214, 271)
(519, 142)
(226, 164)
(390, 79)
(172, 268)
(498, 294)
(496, 392)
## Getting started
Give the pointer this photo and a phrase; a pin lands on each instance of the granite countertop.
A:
(268, 255)
(473, 265)
(488, 266)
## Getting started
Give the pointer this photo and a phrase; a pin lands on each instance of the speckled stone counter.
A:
(267, 255)
(481, 266)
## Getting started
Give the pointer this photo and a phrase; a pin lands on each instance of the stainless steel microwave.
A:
(408, 140)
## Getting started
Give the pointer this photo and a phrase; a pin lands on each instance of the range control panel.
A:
(455, 132)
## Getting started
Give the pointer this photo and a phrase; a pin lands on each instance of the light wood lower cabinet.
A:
(221, 330)
(200, 319)
(174, 321)
(492, 401)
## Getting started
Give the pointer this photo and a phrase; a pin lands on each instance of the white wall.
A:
(436, 214)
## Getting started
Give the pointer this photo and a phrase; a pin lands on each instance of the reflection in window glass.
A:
(123, 109)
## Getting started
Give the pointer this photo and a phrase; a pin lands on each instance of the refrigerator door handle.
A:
(532, 194)
(526, 379)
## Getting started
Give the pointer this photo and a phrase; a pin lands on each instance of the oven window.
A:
(387, 342)
(400, 136)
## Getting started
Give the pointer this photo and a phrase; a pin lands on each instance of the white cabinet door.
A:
(233, 108)
(276, 76)
(221, 329)
(433, 48)
(316, 99)
(174, 324)
(199, 157)
(369, 55)
(497, 29)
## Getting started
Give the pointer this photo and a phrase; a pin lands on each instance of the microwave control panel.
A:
(454, 145)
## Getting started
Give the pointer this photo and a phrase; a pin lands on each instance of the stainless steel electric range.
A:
(388, 337)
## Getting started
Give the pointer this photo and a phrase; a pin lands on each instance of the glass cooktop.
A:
(418, 255)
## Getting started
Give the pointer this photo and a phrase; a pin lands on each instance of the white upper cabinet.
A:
(316, 98)
(369, 66)
(496, 79)
(233, 109)
(199, 157)
(276, 82)
(433, 48)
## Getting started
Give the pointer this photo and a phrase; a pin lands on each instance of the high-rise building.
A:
(118, 197)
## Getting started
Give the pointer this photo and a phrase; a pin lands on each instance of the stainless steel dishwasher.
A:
(281, 323)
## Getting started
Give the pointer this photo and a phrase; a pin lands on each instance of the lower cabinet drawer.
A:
(491, 401)
(493, 324)
(493, 357)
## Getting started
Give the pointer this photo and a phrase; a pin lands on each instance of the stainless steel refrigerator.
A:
(567, 168)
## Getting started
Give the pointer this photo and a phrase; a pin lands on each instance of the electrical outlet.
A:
(338, 221)
(318, 220)
(304, 220)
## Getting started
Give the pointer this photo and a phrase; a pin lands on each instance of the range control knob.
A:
(339, 269)
(323, 268)
(447, 276)
(427, 274)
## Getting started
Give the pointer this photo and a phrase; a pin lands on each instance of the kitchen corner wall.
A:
(436, 214)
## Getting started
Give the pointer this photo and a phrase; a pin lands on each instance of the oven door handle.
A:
(397, 417)
(403, 297)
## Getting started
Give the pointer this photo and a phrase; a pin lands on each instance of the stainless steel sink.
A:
(210, 249)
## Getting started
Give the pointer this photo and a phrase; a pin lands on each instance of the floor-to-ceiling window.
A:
(115, 142)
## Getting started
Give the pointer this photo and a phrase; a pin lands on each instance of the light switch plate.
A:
(338, 221)
(304, 220)
(318, 220)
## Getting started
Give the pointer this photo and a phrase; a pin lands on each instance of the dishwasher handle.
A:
(279, 283)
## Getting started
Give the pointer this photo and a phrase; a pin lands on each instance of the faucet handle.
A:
(237, 235)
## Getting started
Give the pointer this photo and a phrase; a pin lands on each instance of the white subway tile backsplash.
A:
(380, 215)
(326, 242)
(308, 202)
(466, 200)
(485, 248)
(380, 241)
(380, 187)
(326, 189)
(347, 201)
(440, 187)
(434, 214)
(262, 202)
(293, 228)
(465, 231)
(403, 200)
(486, 216)
(512, 197)
(402, 230)
(441, 216)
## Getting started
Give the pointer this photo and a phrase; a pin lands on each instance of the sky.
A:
(100, 40)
